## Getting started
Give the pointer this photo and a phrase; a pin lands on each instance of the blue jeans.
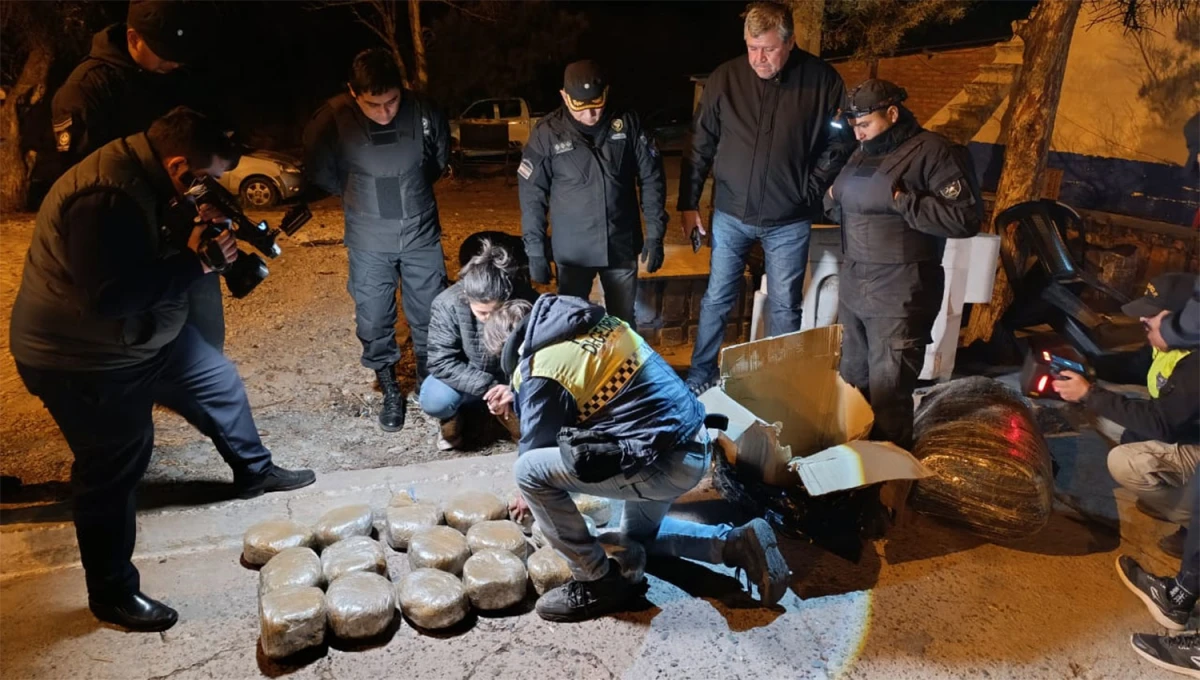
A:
(545, 483)
(785, 248)
(441, 401)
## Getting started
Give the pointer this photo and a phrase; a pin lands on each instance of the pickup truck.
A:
(512, 113)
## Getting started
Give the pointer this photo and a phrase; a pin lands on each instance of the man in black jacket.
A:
(129, 79)
(98, 331)
(763, 124)
(904, 192)
(1160, 448)
(585, 162)
(381, 148)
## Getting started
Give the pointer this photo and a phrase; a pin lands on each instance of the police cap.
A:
(583, 81)
(873, 95)
(165, 25)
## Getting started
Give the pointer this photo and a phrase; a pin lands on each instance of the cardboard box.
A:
(793, 420)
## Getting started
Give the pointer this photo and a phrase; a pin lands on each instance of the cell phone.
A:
(695, 237)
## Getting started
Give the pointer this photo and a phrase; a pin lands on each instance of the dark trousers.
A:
(619, 284)
(105, 416)
(883, 357)
(421, 275)
(206, 310)
(1189, 569)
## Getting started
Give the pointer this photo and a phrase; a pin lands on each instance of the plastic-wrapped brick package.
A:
(291, 567)
(494, 579)
(547, 570)
(432, 599)
(498, 534)
(539, 537)
(991, 467)
(341, 523)
(361, 605)
(403, 522)
(629, 555)
(472, 507)
(439, 548)
(267, 539)
(401, 499)
(596, 507)
(357, 553)
(291, 619)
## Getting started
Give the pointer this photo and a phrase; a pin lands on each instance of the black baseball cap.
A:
(873, 95)
(165, 25)
(584, 84)
(1165, 292)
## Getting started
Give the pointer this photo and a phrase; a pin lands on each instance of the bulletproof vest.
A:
(384, 166)
(1162, 368)
(592, 367)
(873, 230)
(52, 326)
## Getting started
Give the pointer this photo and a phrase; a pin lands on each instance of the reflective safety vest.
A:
(1162, 368)
(593, 366)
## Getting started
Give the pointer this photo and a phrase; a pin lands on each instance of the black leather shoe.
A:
(137, 612)
(274, 479)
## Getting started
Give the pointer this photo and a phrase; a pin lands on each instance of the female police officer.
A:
(902, 193)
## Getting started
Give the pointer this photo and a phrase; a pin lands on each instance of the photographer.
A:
(461, 372)
(603, 414)
(98, 334)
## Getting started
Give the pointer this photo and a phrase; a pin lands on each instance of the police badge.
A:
(618, 125)
(952, 190)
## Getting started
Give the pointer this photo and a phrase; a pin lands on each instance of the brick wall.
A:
(932, 79)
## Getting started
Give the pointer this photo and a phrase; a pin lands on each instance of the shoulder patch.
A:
(62, 133)
(426, 127)
(952, 190)
(525, 170)
(618, 124)
(651, 147)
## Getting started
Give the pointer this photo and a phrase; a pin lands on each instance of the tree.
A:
(1033, 103)
(876, 27)
(807, 18)
(418, 38)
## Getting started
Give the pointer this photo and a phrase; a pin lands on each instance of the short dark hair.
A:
(193, 135)
(374, 71)
(501, 324)
(488, 276)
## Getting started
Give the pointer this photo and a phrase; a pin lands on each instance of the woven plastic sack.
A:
(341, 523)
(291, 567)
(991, 467)
(361, 605)
(267, 539)
(495, 579)
(404, 521)
(357, 553)
(291, 619)
(472, 507)
(432, 599)
(439, 548)
(498, 534)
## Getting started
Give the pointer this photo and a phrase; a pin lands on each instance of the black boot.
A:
(391, 416)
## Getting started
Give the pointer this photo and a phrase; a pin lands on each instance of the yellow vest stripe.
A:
(1162, 368)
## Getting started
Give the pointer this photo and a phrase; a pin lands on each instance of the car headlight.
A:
(291, 170)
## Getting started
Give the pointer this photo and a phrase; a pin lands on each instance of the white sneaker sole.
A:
(1189, 672)
(1150, 605)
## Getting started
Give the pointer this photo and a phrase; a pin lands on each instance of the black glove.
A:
(592, 456)
(539, 270)
(652, 255)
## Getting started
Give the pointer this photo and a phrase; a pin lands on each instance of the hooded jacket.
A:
(621, 387)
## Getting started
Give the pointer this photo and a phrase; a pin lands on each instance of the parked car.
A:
(512, 113)
(669, 127)
(264, 178)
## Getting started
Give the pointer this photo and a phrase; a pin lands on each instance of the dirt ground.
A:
(294, 344)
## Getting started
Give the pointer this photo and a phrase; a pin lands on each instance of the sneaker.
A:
(274, 479)
(583, 600)
(1179, 653)
(449, 436)
(1172, 544)
(1155, 592)
(752, 547)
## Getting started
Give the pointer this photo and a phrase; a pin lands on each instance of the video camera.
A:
(248, 270)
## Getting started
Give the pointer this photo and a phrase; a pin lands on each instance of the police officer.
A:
(381, 147)
(98, 329)
(127, 81)
(902, 193)
(585, 161)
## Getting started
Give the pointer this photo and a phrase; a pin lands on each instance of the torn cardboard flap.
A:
(855, 464)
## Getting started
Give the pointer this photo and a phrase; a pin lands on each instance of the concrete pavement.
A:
(929, 602)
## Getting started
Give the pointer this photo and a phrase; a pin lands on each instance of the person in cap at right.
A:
(903, 192)
(584, 165)
(1160, 448)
